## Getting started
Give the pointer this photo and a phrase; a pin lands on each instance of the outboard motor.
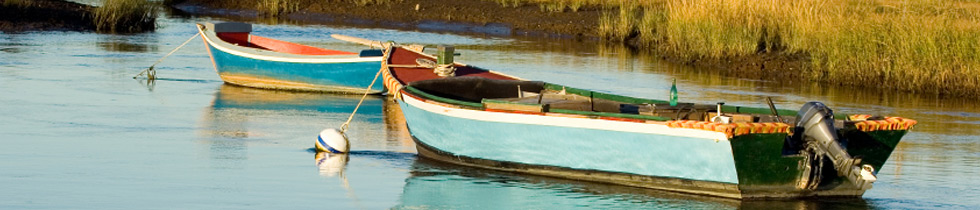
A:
(815, 129)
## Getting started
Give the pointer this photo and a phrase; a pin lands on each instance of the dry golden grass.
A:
(913, 45)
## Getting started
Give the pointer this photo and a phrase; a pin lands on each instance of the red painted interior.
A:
(236, 38)
(407, 75)
(242, 39)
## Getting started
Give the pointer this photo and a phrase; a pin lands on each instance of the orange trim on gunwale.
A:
(888, 123)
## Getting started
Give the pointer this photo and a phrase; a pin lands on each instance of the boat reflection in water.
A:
(377, 175)
(435, 185)
(241, 116)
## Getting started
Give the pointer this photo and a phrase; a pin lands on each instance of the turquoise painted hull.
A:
(243, 59)
(575, 148)
(345, 76)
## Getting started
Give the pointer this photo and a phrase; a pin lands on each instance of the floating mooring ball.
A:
(332, 140)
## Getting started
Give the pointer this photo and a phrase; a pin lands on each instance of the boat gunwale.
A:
(646, 127)
(210, 36)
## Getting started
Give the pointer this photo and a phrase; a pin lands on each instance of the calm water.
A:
(77, 132)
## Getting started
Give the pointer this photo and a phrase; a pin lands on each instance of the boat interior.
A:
(541, 97)
(240, 34)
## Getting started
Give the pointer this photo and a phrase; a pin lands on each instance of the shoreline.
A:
(118, 16)
(45, 15)
(478, 17)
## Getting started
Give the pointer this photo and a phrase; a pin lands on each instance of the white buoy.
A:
(333, 141)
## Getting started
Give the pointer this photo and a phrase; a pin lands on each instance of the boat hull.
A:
(593, 154)
(489, 123)
(351, 77)
(253, 67)
(692, 161)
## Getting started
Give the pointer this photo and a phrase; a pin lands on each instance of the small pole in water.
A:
(151, 73)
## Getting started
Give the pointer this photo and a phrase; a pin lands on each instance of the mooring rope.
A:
(343, 128)
(150, 73)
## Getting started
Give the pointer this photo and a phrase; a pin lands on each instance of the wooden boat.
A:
(243, 59)
(485, 119)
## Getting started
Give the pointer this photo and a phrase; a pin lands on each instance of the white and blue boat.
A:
(241, 58)
(469, 116)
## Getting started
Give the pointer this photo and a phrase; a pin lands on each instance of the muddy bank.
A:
(774, 66)
(45, 15)
(465, 16)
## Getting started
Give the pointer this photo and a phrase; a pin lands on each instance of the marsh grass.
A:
(275, 8)
(17, 3)
(913, 45)
(619, 26)
(125, 16)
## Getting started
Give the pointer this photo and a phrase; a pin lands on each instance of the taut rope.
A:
(343, 128)
(150, 73)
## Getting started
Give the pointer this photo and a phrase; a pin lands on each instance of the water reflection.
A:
(238, 112)
(128, 43)
(14, 43)
(121, 46)
(434, 185)
(12, 50)
(241, 116)
(331, 165)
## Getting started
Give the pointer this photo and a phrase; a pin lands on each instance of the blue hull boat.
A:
(469, 116)
(243, 59)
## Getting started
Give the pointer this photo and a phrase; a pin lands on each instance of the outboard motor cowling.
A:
(815, 128)
(819, 117)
